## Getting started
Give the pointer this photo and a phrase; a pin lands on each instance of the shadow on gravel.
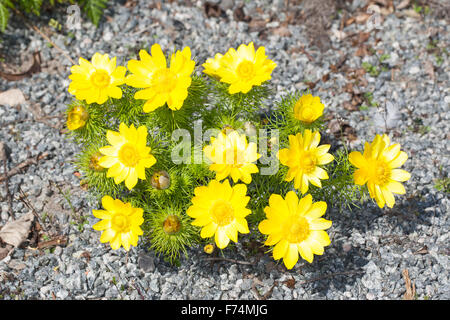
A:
(406, 216)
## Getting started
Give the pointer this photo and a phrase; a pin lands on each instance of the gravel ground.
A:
(370, 247)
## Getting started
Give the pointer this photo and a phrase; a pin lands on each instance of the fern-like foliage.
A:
(92, 8)
(4, 14)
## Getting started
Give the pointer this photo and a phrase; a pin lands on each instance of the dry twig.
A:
(23, 165)
(229, 260)
(4, 159)
(410, 293)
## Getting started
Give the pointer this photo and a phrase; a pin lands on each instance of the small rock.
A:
(146, 263)
(12, 97)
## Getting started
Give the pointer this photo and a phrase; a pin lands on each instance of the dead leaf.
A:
(362, 51)
(349, 106)
(290, 283)
(402, 5)
(411, 13)
(239, 15)
(213, 10)
(35, 68)
(349, 21)
(282, 31)
(410, 290)
(257, 25)
(423, 250)
(362, 18)
(14, 233)
(12, 97)
(429, 69)
(57, 241)
(342, 130)
(86, 255)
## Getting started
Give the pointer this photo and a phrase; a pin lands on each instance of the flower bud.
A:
(160, 180)
(209, 248)
(308, 108)
(94, 162)
(172, 225)
(77, 118)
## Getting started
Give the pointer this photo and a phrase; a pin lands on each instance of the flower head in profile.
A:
(220, 210)
(77, 117)
(295, 226)
(304, 157)
(244, 68)
(308, 108)
(120, 223)
(378, 168)
(128, 155)
(161, 84)
(97, 80)
(232, 155)
(212, 65)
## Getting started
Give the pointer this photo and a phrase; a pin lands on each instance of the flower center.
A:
(380, 173)
(246, 70)
(307, 113)
(100, 79)
(234, 156)
(222, 212)
(296, 229)
(120, 223)
(164, 80)
(128, 155)
(308, 162)
(172, 224)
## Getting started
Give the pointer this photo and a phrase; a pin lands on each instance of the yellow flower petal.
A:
(280, 249)
(291, 256)
(400, 175)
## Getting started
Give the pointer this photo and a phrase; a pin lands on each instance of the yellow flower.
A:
(308, 108)
(220, 210)
(303, 158)
(209, 248)
(120, 223)
(377, 167)
(245, 68)
(233, 156)
(97, 80)
(295, 227)
(128, 155)
(77, 118)
(161, 84)
(212, 65)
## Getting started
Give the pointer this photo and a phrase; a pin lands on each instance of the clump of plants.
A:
(180, 156)
(92, 8)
